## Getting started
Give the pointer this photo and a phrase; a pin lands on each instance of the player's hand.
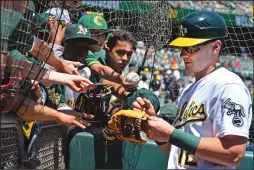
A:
(159, 129)
(70, 117)
(144, 105)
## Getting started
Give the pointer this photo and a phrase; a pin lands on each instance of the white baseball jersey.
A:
(217, 105)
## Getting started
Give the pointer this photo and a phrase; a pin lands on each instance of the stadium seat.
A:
(82, 151)
(134, 156)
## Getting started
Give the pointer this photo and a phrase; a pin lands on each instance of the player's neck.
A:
(205, 71)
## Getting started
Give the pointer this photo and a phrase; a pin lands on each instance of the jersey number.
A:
(186, 159)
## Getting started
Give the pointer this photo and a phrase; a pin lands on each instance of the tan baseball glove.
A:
(129, 125)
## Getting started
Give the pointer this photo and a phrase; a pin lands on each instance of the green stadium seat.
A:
(82, 151)
(134, 156)
(147, 156)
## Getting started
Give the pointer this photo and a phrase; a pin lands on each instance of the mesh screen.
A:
(10, 147)
(48, 147)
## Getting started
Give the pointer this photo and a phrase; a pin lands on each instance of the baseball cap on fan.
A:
(199, 27)
(93, 21)
(143, 93)
(77, 31)
(61, 14)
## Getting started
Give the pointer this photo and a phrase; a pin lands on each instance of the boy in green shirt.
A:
(96, 58)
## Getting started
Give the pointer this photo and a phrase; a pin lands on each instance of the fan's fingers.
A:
(86, 116)
(79, 124)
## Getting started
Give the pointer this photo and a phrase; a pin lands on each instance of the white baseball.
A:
(85, 72)
(132, 78)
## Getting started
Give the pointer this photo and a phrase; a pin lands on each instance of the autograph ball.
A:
(132, 78)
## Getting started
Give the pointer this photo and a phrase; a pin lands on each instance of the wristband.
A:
(184, 141)
(112, 73)
(160, 143)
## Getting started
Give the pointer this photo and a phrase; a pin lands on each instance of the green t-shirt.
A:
(96, 58)
(55, 95)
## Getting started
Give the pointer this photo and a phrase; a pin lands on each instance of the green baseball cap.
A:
(75, 31)
(93, 21)
(199, 27)
(168, 112)
(143, 93)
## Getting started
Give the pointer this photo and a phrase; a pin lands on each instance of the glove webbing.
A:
(128, 128)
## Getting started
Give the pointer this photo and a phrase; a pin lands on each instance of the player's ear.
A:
(216, 46)
(106, 46)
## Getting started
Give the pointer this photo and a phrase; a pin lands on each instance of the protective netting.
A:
(148, 21)
(25, 36)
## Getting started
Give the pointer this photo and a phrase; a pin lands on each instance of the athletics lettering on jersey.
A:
(231, 108)
(193, 113)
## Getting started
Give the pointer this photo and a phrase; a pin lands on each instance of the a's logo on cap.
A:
(98, 20)
(52, 18)
(182, 30)
(82, 30)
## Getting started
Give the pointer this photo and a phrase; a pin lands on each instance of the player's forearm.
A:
(165, 148)
(117, 90)
(106, 72)
(30, 110)
(221, 151)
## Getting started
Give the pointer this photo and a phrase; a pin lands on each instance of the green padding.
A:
(82, 151)
(247, 162)
(148, 156)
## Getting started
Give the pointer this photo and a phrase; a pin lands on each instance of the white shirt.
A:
(217, 105)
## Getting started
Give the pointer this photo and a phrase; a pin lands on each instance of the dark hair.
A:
(121, 35)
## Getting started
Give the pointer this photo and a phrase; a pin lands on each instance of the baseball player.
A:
(211, 128)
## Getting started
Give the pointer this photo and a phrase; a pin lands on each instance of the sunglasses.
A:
(195, 48)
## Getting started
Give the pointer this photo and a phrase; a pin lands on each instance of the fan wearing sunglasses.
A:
(211, 128)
